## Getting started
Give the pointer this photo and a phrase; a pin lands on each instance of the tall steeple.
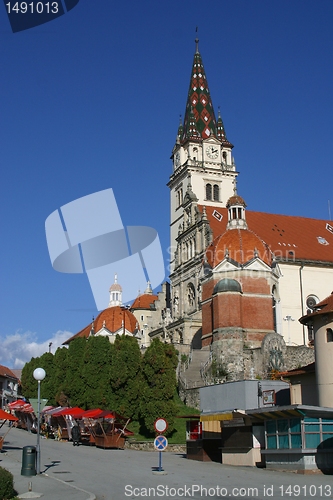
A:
(199, 102)
(201, 156)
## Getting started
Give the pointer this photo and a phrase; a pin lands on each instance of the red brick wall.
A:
(227, 310)
(207, 326)
(257, 312)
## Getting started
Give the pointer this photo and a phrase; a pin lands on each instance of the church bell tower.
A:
(201, 156)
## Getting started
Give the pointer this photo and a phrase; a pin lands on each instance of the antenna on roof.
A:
(329, 210)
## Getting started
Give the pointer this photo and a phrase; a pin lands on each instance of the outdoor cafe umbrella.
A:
(5, 416)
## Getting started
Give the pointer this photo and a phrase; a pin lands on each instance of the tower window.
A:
(216, 192)
(329, 335)
(208, 191)
(179, 197)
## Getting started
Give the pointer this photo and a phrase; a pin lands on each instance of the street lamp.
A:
(39, 375)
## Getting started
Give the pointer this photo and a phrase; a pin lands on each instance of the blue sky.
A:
(92, 100)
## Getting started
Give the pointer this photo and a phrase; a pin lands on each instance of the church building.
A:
(240, 279)
(236, 276)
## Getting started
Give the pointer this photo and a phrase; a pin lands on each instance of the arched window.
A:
(329, 335)
(208, 191)
(216, 192)
(179, 197)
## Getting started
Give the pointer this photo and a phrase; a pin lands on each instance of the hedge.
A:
(6, 484)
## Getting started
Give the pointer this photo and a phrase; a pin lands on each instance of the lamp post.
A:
(39, 375)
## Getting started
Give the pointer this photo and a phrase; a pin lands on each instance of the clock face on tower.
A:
(212, 152)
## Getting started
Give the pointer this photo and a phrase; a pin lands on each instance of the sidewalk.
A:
(42, 485)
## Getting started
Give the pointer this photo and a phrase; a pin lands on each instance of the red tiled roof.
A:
(288, 237)
(6, 372)
(113, 317)
(144, 301)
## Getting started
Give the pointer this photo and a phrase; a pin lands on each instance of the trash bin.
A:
(29, 461)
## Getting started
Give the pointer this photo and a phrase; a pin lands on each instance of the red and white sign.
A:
(160, 425)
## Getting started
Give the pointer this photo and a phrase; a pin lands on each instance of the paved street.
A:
(82, 473)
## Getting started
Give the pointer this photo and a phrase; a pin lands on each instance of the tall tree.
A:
(75, 387)
(60, 363)
(28, 383)
(96, 373)
(159, 384)
(125, 376)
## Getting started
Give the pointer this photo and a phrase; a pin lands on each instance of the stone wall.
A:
(242, 362)
(149, 446)
(189, 396)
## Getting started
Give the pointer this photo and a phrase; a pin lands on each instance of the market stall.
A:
(107, 428)
(4, 417)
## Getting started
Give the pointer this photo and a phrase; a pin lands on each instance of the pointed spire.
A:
(199, 104)
(192, 131)
(149, 289)
(220, 128)
(180, 131)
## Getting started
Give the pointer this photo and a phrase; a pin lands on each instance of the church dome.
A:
(114, 319)
(238, 245)
(115, 287)
(235, 200)
(227, 285)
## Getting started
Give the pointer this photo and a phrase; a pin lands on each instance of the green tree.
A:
(28, 383)
(60, 364)
(73, 381)
(96, 373)
(159, 385)
(125, 376)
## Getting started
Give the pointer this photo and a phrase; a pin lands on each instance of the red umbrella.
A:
(7, 416)
(74, 412)
(16, 404)
(96, 413)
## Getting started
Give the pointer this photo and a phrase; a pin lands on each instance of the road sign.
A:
(160, 425)
(34, 404)
(160, 443)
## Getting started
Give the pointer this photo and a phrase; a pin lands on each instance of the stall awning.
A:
(213, 417)
(7, 416)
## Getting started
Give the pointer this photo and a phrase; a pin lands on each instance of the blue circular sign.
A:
(160, 443)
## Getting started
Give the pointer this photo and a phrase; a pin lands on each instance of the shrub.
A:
(6, 484)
